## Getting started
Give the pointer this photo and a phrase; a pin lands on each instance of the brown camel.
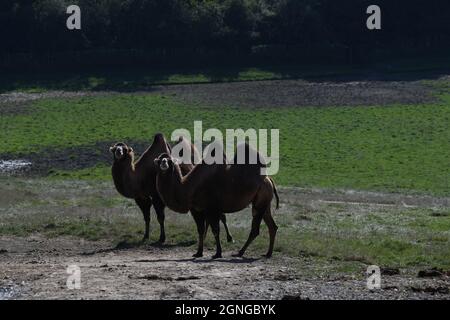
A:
(210, 190)
(137, 180)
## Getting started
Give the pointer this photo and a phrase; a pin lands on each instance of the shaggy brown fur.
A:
(137, 180)
(211, 190)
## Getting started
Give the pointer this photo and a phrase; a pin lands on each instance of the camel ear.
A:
(130, 149)
(112, 149)
(155, 162)
(175, 160)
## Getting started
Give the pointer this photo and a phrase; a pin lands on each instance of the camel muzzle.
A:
(164, 165)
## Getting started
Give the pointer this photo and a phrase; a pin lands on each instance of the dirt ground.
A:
(301, 93)
(35, 268)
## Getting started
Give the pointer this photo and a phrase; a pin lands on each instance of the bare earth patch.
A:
(35, 268)
(70, 158)
(292, 93)
(257, 94)
(13, 97)
(14, 103)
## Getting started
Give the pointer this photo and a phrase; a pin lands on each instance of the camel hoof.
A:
(267, 255)
(230, 239)
(162, 240)
(197, 255)
(217, 256)
(238, 255)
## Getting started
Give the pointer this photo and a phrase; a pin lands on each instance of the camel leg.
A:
(254, 232)
(223, 218)
(201, 229)
(213, 221)
(272, 226)
(159, 209)
(145, 204)
(206, 229)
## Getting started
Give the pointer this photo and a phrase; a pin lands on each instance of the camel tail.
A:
(275, 192)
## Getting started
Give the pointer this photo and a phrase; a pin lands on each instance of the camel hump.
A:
(245, 154)
(159, 137)
(160, 140)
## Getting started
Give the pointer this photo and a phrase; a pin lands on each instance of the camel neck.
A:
(177, 174)
(124, 177)
(173, 191)
(181, 194)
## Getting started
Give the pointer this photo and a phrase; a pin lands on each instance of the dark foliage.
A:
(188, 31)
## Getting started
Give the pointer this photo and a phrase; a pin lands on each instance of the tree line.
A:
(278, 29)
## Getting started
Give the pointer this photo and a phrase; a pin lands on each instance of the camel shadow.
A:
(232, 260)
(186, 243)
(155, 244)
(127, 245)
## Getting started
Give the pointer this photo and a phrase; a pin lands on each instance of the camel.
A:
(210, 190)
(137, 180)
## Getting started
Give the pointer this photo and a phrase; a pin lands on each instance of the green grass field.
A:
(397, 148)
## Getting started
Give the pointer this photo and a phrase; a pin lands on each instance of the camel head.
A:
(164, 163)
(121, 151)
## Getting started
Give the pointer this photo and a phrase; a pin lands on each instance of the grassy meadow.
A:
(396, 149)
